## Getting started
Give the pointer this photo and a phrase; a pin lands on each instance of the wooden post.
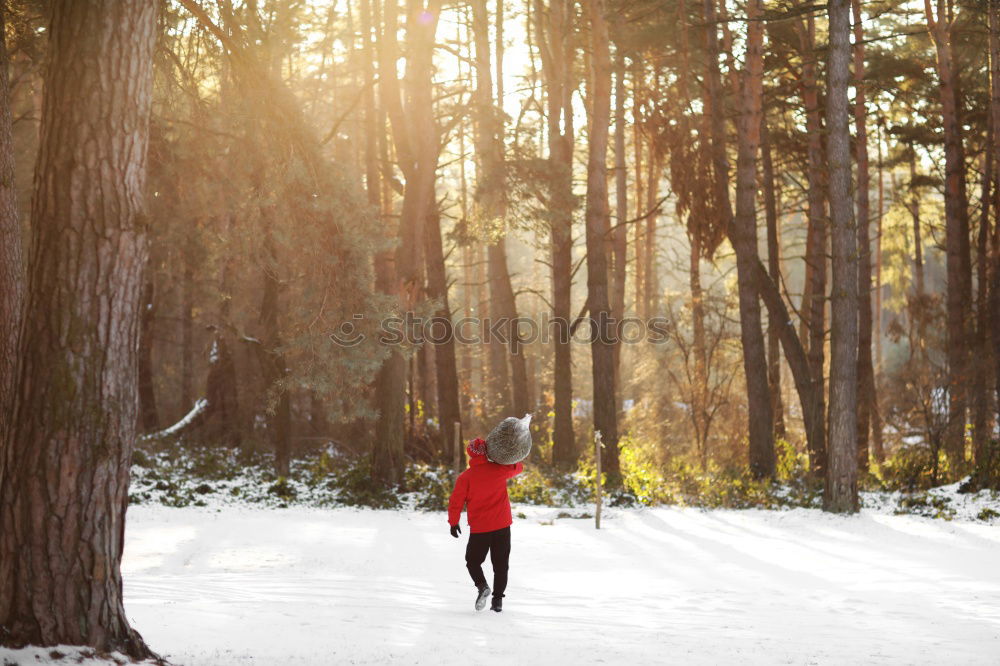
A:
(457, 443)
(598, 445)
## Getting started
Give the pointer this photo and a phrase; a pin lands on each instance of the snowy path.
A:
(308, 586)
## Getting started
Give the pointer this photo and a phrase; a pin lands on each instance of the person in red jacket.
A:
(482, 489)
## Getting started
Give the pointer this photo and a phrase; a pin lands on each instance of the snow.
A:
(946, 502)
(303, 585)
(61, 654)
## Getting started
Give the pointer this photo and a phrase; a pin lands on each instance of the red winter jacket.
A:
(483, 490)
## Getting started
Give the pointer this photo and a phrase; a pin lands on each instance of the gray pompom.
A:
(510, 441)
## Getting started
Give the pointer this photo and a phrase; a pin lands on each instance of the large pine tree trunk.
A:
(11, 262)
(502, 296)
(743, 235)
(510, 396)
(994, 45)
(866, 371)
(720, 192)
(808, 388)
(415, 137)
(774, 270)
(390, 379)
(558, 71)
(958, 298)
(795, 352)
(64, 487)
(981, 397)
(699, 402)
(499, 402)
(602, 351)
(814, 295)
(274, 368)
(446, 367)
(841, 491)
(650, 286)
(619, 233)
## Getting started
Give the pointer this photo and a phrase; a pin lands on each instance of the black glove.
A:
(455, 531)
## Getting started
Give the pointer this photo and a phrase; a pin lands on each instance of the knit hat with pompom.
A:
(476, 447)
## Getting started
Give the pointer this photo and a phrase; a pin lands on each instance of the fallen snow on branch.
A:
(199, 406)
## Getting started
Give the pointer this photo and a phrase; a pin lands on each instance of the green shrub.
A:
(532, 487)
(911, 468)
(988, 514)
(926, 504)
(431, 486)
(643, 481)
(354, 487)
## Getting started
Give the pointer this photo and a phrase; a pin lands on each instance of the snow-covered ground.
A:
(680, 586)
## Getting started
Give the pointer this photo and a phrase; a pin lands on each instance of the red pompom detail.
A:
(476, 447)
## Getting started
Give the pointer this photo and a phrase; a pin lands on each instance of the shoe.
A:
(482, 596)
(497, 605)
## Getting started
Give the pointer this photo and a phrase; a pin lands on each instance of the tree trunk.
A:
(841, 491)
(795, 353)
(187, 324)
(650, 286)
(878, 449)
(555, 30)
(958, 299)
(640, 203)
(446, 367)
(918, 250)
(980, 423)
(597, 220)
(499, 402)
(814, 296)
(866, 372)
(272, 359)
(502, 294)
(222, 393)
(619, 234)
(390, 379)
(774, 270)
(743, 236)
(427, 376)
(699, 403)
(560, 156)
(994, 45)
(147, 395)
(415, 137)
(717, 112)
(491, 197)
(221, 389)
(64, 485)
(11, 262)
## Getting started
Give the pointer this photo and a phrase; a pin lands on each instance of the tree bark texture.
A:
(11, 261)
(598, 221)
(774, 271)
(866, 370)
(415, 138)
(64, 487)
(813, 307)
(557, 50)
(841, 490)
(958, 264)
(743, 236)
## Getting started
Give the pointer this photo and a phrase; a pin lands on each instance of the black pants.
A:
(498, 545)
